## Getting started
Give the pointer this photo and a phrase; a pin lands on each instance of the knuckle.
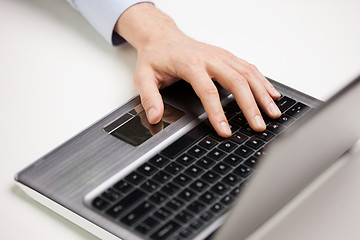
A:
(230, 55)
(146, 99)
(253, 68)
(249, 69)
(210, 55)
(264, 97)
(239, 80)
(210, 90)
(233, 57)
(218, 114)
(137, 80)
(192, 59)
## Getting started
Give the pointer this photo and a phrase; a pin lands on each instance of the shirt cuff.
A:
(103, 15)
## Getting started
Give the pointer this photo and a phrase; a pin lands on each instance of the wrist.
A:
(143, 23)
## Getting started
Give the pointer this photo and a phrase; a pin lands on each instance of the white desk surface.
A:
(58, 76)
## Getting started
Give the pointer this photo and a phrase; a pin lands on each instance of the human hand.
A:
(165, 55)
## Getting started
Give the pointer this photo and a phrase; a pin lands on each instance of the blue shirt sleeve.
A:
(103, 15)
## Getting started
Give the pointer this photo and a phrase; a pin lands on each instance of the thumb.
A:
(151, 100)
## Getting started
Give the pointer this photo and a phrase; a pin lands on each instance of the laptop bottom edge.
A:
(258, 234)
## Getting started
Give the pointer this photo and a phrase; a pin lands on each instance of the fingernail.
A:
(274, 109)
(225, 128)
(152, 113)
(259, 121)
(274, 92)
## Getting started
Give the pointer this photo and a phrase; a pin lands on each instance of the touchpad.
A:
(134, 128)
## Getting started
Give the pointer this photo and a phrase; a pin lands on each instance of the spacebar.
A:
(180, 145)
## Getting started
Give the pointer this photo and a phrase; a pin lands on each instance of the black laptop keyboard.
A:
(192, 182)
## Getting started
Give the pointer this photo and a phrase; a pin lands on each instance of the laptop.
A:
(122, 178)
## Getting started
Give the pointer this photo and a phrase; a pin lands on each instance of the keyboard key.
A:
(187, 194)
(238, 137)
(126, 202)
(206, 216)
(228, 199)
(158, 197)
(174, 204)
(244, 151)
(147, 225)
(176, 148)
(266, 118)
(205, 162)
(285, 120)
(182, 180)
(165, 231)
(216, 154)
(227, 146)
(162, 177)
(135, 178)
(236, 191)
(284, 103)
(239, 120)
(247, 130)
(251, 162)
(196, 207)
(173, 168)
(185, 233)
(221, 168)
(213, 134)
(184, 216)
(162, 213)
(275, 127)
(231, 179)
(185, 160)
(170, 189)
(234, 106)
(210, 177)
(208, 143)
(219, 188)
(147, 169)
(196, 224)
(111, 195)
(233, 160)
(229, 112)
(199, 186)
(218, 207)
(137, 213)
(123, 186)
(242, 171)
(197, 151)
(254, 143)
(194, 171)
(233, 126)
(99, 203)
(159, 161)
(297, 110)
(265, 136)
(262, 152)
(208, 197)
(149, 186)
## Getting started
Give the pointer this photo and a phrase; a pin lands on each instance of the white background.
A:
(57, 76)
